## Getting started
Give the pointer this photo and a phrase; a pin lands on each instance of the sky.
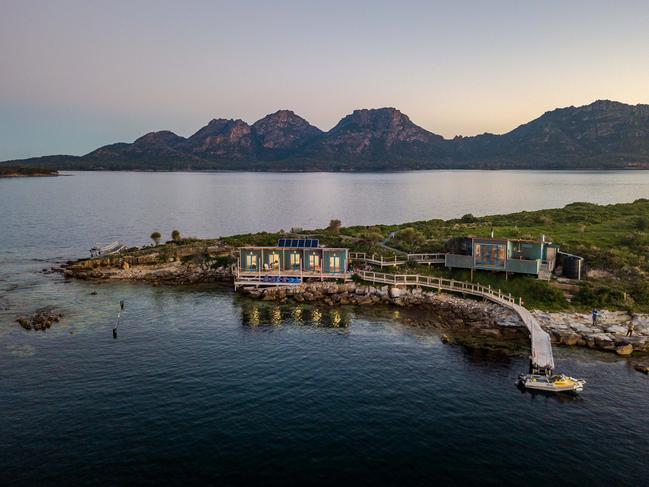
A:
(75, 75)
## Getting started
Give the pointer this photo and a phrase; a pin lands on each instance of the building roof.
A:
(275, 247)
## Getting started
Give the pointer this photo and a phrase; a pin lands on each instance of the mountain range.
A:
(602, 135)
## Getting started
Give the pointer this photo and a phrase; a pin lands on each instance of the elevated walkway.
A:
(381, 261)
(541, 357)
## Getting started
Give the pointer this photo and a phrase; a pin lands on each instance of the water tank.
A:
(573, 267)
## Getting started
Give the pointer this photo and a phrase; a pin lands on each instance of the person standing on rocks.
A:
(595, 316)
(630, 329)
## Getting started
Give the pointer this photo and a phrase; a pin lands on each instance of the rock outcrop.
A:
(608, 333)
(173, 264)
(43, 319)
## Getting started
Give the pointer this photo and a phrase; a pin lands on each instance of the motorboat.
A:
(551, 383)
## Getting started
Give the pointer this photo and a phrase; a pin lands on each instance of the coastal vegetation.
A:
(613, 239)
(155, 236)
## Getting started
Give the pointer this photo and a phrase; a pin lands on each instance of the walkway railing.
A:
(377, 260)
(381, 261)
(541, 345)
(438, 258)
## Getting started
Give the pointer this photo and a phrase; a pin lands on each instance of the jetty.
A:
(541, 356)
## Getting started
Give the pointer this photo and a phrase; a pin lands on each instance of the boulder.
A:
(603, 341)
(569, 339)
(616, 329)
(624, 350)
(642, 366)
(396, 292)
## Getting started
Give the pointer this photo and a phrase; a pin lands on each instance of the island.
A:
(13, 172)
(581, 270)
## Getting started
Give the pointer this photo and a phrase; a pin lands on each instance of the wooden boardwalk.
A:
(397, 261)
(541, 357)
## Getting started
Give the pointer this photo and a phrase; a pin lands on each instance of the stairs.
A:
(544, 271)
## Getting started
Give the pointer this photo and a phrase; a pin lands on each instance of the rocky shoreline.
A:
(182, 265)
(569, 329)
(187, 265)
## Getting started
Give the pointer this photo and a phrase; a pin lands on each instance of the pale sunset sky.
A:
(76, 75)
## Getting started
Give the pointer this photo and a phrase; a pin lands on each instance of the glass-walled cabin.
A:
(517, 256)
(294, 257)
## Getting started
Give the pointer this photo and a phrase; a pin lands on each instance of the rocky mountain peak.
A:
(284, 130)
(157, 138)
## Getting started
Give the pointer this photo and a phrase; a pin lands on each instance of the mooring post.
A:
(119, 314)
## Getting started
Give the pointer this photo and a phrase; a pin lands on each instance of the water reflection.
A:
(260, 314)
(562, 397)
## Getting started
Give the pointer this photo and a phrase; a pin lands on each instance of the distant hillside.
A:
(602, 135)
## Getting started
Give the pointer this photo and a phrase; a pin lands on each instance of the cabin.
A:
(291, 261)
(532, 257)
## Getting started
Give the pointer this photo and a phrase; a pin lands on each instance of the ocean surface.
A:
(203, 385)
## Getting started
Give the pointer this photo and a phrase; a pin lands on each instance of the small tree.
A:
(468, 218)
(334, 227)
(642, 223)
(411, 236)
(175, 236)
(155, 236)
(372, 236)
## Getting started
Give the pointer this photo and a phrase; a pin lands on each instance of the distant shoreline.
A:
(27, 173)
(314, 171)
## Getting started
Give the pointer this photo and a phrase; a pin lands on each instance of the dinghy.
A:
(551, 383)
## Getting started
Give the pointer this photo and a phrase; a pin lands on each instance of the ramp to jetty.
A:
(541, 357)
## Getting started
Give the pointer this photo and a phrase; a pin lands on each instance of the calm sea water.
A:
(203, 385)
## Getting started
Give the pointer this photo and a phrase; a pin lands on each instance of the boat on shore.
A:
(107, 249)
(551, 383)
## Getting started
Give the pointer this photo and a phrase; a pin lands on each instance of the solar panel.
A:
(300, 243)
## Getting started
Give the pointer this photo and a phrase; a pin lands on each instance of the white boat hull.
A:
(557, 383)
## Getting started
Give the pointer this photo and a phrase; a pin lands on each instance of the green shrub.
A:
(599, 297)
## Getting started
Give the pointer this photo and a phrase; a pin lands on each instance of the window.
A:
(490, 255)
(273, 261)
(314, 262)
(251, 262)
(334, 263)
(295, 261)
